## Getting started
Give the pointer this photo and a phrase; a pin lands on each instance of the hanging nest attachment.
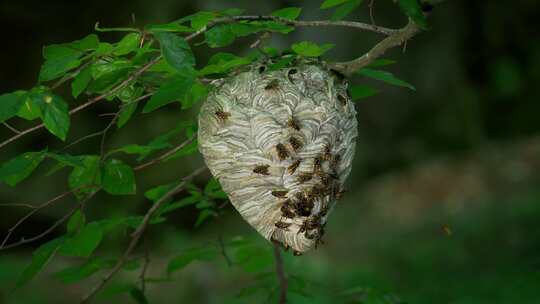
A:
(281, 143)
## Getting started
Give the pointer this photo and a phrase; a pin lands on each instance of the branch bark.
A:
(138, 233)
(280, 272)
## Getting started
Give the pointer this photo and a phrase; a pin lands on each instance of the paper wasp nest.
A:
(281, 145)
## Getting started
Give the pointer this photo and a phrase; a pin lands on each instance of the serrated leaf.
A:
(40, 257)
(412, 9)
(310, 49)
(288, 13)
(176, 51)
(78, 273)
(55, 115)
(331, 3)
(358, 92)
(76, 222)
(118, 178)
(17, 169)
(188, 256)
(80, 82)
(10, 104)
(173, 90)
(344, 10)
(128, 44)
(84, 242)
(385, 77)
(89, 174)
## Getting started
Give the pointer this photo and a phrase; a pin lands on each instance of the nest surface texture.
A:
(281, 144)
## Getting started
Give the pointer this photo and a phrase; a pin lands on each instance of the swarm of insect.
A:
(284, 157)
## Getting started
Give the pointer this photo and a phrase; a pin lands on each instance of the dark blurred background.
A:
(443, 200)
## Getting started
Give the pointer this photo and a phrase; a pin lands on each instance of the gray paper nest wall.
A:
(281, 144)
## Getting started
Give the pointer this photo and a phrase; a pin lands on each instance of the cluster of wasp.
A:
(302, 203)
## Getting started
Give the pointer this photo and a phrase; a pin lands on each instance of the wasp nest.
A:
(281, 144)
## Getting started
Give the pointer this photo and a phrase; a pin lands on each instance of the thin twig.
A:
(51, 228)
(137, 234)
(396, 39)
(11, 128)
(371, 17)
(32, 212)
(165, 155)
(223, 251)
(280, 272)
(142, 275)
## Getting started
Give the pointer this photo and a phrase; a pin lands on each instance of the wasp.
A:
(317, 165)
(334, 163)
(285, 246)
(338, 193)
(304, 177)
(303, 205)
(283, 225)
(325, 179)
(272, 85)
(290, 73)
(327, 155)
(279, 193)
(282, 151)
(342, 99)
(261, 169)
(286, 210)
(295, 143)
(292, 123)
(310, 224)
(223, 115)
(324, 211)
(292, 168)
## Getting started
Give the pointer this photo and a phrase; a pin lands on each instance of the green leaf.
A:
(381, 62)
(412, 9)
(189, 256)
(80, 82)
(187, 201)
(331, 3)
(10, 105)
(17, 169)
(186, 150)
(171, 91)
(104, 48)
(78, 273)
(84, 242)
(156, 193)
(198, 92)
(29, 109)
(89, 42)
(288, 13)
(176, 51)
(88, 175)
(66, 159)
(54, 68)
(55, 115)
(173, 27)
(201, 19)
(345, 9)
(107, 74)
(232, 11)
(40, 257)
(220, 36)
(204, 215)
(385, 77)
(310, 49)
(76, 222)
(359, 92)
(222, 63)
(126, 113)
(128, 44)
(118, 178)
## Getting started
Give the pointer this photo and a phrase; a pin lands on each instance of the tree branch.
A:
(396, 39)
(165, 155)
(280, 272)
(137, 234)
